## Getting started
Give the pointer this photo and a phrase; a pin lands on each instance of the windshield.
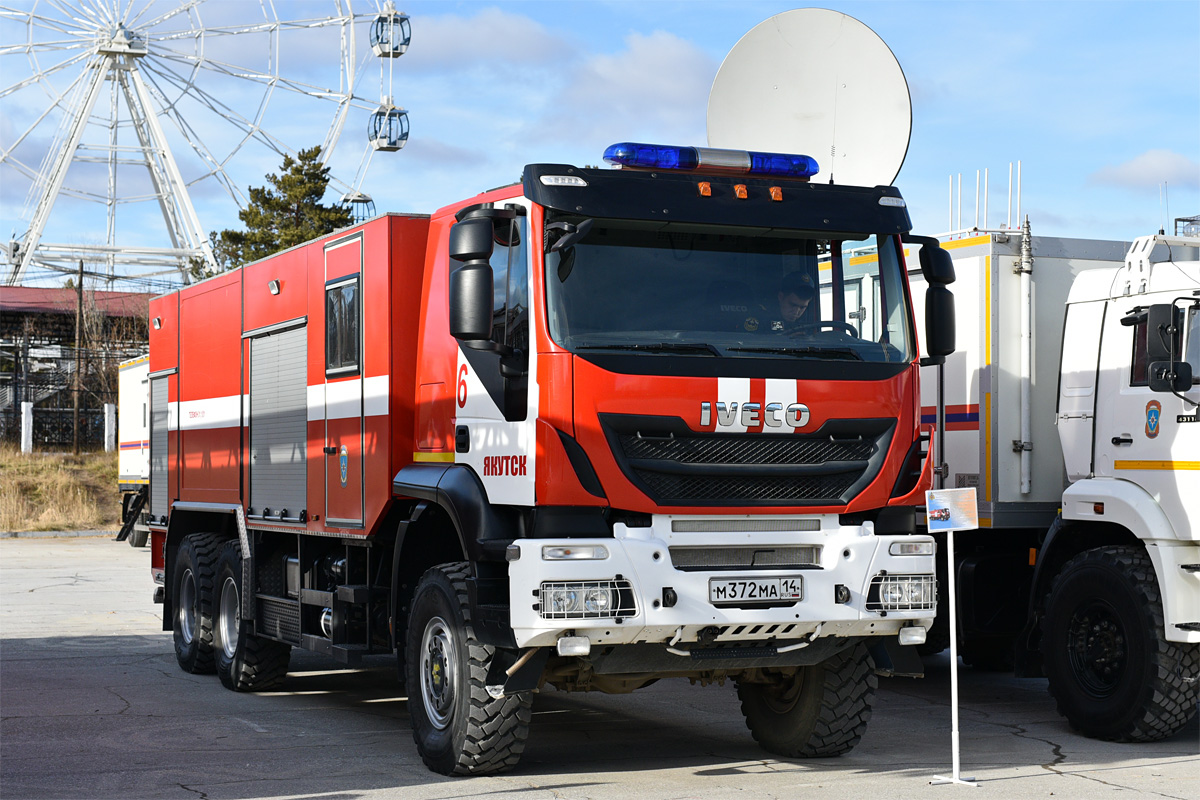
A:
(724, 292)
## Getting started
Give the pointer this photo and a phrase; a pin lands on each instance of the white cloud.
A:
(656, 87)
(1151, 169)
(491, 37)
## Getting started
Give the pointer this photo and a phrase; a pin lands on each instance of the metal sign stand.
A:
(955, 776)
(961, 514)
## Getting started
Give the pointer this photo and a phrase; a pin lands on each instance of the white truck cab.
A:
(1121, 622)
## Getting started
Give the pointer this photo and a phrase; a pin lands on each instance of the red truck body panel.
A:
(202, 336)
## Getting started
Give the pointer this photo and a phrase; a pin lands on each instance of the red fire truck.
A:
(564, 433)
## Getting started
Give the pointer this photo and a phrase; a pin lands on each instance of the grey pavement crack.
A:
(117, 695)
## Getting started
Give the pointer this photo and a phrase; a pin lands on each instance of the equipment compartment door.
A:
(344, 383)
(160, 417)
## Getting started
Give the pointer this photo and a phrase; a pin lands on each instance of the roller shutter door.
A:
(278, 422)
(159, 418)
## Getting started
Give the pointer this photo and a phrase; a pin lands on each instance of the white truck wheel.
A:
(1110, 668)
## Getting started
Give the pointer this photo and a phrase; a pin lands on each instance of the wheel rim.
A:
(780, 698)
(187, 611)
(438, 672)
(1097, 649)
(229, 616)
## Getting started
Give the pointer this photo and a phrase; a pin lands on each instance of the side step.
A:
(1188, 626)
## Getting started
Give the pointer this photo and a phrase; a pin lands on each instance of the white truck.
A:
(133, 448)
(1071, 405)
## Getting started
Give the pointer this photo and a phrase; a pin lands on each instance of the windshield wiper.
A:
(803, 352)
(660, 347)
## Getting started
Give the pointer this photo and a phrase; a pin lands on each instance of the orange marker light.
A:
(776, 194)
(739, 191)
(705, 188)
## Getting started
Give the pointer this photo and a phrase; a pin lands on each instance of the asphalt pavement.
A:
(93, 706)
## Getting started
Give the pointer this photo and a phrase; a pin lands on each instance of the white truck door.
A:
(1078, 375)
(1143, 436)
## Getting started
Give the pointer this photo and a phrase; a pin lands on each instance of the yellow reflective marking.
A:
(1160, 465)
(987, 439)
(973, 241)
(434, 457)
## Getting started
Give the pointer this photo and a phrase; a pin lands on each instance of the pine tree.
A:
(285, 213)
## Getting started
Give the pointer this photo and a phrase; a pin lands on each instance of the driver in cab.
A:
(795, 294)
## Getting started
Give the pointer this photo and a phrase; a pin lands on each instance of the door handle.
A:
(330, 451)
(1122, 439)
(462, 439)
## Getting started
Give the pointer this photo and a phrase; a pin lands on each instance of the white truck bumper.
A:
(641, 591)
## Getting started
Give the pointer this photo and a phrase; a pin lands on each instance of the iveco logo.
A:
(751, 415)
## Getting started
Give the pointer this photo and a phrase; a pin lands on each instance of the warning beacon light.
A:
(710, 159)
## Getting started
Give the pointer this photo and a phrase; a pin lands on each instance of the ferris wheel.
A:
(117, 116)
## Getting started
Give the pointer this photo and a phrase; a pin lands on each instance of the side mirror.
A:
(1160, 332)
(1170, 376)
(563, 235)
(939, 323)
(936, 265)
(471, 241)
(471, 302)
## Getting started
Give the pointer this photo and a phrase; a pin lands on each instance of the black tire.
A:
(137, 538)
(1111, 670)
(192, 580)
(245, 662)
(822, 711)
(458, 727)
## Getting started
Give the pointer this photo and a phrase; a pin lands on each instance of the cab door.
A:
(1148, 437)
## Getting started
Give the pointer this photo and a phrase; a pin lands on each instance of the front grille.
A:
(675, 465)
(672, 488)
(745, 449)
(743, 558)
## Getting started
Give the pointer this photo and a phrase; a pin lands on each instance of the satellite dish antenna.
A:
(816, 82)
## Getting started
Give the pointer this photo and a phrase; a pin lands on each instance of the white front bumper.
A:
(850, 556)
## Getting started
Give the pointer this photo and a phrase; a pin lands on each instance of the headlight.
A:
(586, 599)
(902, 593)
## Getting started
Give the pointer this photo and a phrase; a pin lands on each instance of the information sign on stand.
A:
(947, 511)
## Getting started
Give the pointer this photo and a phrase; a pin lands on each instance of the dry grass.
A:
(54, 491)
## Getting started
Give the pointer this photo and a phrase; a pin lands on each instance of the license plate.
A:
(754, 590)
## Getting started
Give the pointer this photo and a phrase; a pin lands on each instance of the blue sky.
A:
(1100, 101)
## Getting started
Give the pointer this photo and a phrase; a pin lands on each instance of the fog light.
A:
(574, 646)
(912, 635)
(563, 601)
(597, 601)
(587, 599)
(902, 593)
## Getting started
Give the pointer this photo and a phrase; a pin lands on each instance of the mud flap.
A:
(893, 659)
(526, 676)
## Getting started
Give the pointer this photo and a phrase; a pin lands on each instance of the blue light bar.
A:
(709, 159)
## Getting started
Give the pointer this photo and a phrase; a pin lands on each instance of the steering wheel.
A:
(832, 324)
